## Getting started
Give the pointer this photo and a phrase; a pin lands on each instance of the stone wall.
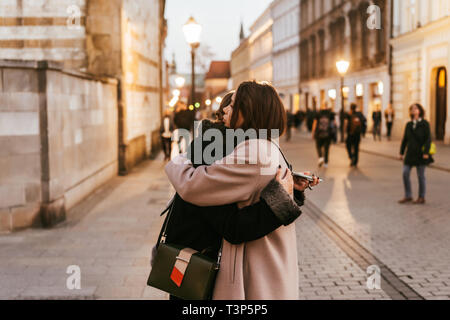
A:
(58, 138)
(141, 79)
(44, 30)
(114, 38)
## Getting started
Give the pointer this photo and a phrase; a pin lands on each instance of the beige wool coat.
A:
(264, 269)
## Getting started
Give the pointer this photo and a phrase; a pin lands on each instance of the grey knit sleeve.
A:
(281, 203)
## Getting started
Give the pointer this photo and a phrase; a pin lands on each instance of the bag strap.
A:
(287, 162)
(163, 234)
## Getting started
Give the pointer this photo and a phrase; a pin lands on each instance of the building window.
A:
(412, 14)
(321, 53)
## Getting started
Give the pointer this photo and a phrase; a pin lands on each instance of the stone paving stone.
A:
(119, 292)
(318, 269)
(56, 293)
(412, 241)
(112, 242)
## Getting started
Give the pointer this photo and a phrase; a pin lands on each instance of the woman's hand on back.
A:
(284, 177)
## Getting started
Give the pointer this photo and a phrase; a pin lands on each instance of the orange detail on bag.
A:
(177, 276)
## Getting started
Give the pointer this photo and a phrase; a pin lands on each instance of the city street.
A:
(350, 222)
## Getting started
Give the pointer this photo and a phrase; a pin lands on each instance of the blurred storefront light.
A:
(380, 88)
(332, 94)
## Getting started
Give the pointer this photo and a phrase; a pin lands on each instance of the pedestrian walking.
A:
(417, 143)
(299, 118)
(166, 131)
(310, 116)
(184, 122)
(324, 132)
(377, 119)
(290, 123)
(342, 117)
(389, 115)
(266, 268)
(354, 124)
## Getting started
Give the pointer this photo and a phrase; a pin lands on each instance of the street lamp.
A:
(179, 81)
(342, 67)
(192, 31)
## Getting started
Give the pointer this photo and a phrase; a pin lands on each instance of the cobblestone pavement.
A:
(411, 240)
(110, 235)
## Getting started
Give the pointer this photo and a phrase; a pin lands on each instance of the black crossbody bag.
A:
(182, 272)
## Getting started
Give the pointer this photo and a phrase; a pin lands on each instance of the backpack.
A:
(355, 125)
(323, 127)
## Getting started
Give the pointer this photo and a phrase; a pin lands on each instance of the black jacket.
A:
(416, 141)
(203, 228)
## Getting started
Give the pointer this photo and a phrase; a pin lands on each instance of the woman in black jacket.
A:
(417, 142)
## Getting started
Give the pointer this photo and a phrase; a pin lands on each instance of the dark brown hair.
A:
(421, 110)
(260, 106)
(226, 101)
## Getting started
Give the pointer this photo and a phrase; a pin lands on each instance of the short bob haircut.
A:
(421, 110)
(226, 101)
(261, 108)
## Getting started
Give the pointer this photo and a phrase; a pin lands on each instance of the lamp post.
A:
(192, 31)
(342, 67)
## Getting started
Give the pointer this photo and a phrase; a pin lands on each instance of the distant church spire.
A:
(241, 33)
(174, 64)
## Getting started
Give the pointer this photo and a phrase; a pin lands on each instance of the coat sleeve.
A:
(404, 141)
(250, 223)
(230, 183)
(241, 225)
(427, 144)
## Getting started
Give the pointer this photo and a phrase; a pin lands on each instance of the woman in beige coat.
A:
(265, 269)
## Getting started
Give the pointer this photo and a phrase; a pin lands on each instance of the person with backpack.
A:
(324, 132)
(355, 123)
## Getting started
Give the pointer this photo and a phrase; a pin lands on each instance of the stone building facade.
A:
(421, 60)
(81, 97)
(216, 79)
(58, 140)
(331, 30)
(286, 54)
(240, 63)
(123, 39)
(260, 44)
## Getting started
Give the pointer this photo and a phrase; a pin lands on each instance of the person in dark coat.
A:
(354, 124)
(310, 116)
(324, 131)
(184, 118)
(377, 118)
(416, 142)
(290, 124)
(165, 132)
(299, 118)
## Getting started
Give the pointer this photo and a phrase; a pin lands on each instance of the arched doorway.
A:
(441, 103)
